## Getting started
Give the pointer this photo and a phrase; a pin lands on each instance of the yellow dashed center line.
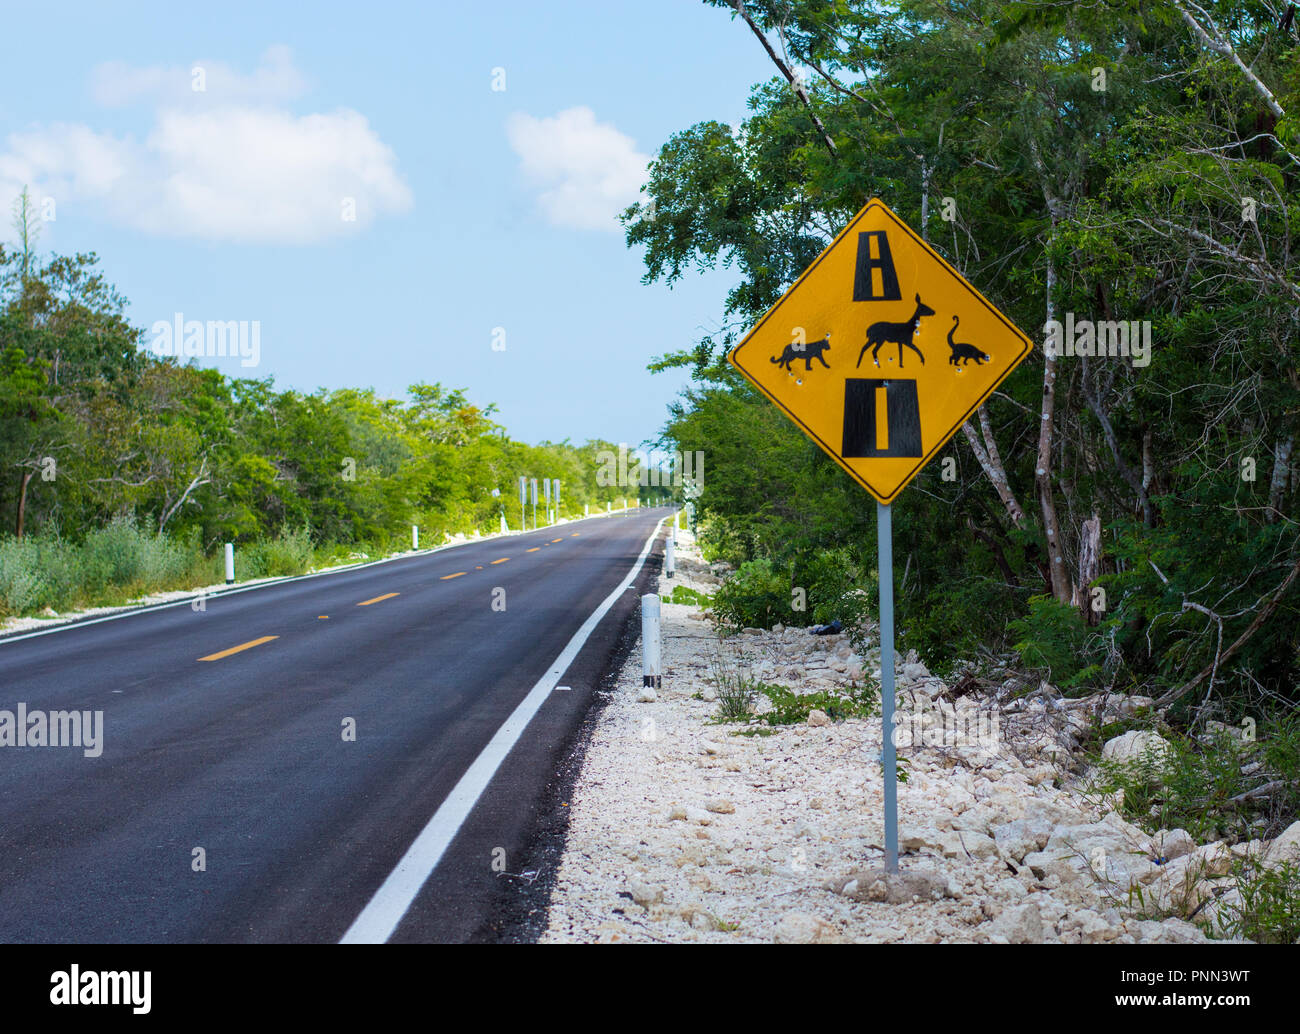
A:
(446, 576)
(575, 534)
(533, 550)
(236, 649)
(557, 540)
(501, 561)
(385, 596)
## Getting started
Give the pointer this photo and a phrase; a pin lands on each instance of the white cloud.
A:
(587, 171)
(115, 84)
(222, 165)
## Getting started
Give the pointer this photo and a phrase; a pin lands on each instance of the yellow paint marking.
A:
(447, 576)
(385, 596)
(322, 617)
(478, 567)
(575, 534)
(242, 646)
(533, 550)
(557, 540)
(501, 561)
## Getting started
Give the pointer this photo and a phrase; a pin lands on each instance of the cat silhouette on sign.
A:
(812, 350)
(963, 351)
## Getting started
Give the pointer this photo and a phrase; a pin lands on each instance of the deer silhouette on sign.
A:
(899, 334)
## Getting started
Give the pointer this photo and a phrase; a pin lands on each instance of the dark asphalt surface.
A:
(244, 756)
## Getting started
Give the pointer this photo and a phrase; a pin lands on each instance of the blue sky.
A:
(474, 208)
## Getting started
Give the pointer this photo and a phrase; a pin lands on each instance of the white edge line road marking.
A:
(150, 608)
(386, 909)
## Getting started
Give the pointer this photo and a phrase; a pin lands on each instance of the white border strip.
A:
(382, 915)
(149, 608)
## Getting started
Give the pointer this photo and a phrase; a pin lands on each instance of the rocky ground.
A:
(682, 831)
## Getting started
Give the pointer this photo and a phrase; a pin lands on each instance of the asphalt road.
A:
(244, 754)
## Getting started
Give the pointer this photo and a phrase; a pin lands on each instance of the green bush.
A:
(755, 596)
(683, 594)
(112, 564)
(1054, 637)
(1269, 908)
(1191, 787)
(289, 553)
(791, 708)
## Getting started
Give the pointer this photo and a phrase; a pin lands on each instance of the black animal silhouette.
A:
(962, 351)
(812, 350)
(899, 334)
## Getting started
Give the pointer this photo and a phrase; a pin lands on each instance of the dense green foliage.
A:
(1088, 159)
(123, 472)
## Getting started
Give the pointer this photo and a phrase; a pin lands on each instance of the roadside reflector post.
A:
(669, 559)
(415, 536)
(586, 509)
(504, 527)
(650, 652)
(230, 563)
(885, 565)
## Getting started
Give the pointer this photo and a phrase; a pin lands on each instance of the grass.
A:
(1199, 785)
(735, 685)
(119, 563)
(1269, 912)
(689, 596)
(791, 708)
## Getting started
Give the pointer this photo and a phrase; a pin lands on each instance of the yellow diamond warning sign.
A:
(880, 351)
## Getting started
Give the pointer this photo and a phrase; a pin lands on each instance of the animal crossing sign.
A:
(880, 351)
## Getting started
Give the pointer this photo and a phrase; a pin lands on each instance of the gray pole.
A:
(885, 565)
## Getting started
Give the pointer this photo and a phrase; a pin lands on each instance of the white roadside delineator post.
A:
(415, 536)
(230, 563)
(669, 559)
(652, 677)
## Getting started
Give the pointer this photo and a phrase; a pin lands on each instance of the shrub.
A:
(683, 594)
(289, 553)
(755, 596)
(1053, 636)
(735, 685)
(790, 708)
(1269, 908)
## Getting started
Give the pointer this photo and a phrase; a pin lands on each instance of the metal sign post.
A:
(523, 503)
(885, 566)
(534, 504)
(872, 402)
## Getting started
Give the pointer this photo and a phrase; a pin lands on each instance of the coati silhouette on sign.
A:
(812, 350)
(962, 351)
(899, 334)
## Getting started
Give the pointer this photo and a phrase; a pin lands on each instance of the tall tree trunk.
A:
(22, 503)
(990, 461)
(1043, 466)
(1277, 484)
(1089, 568)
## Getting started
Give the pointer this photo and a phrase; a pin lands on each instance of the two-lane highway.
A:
(232, 800)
